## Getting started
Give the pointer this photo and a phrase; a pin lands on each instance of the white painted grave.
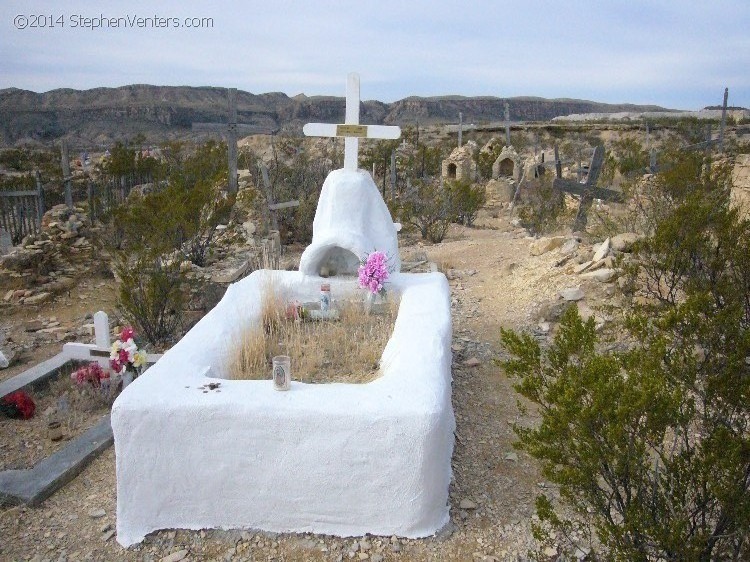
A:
(341, 459)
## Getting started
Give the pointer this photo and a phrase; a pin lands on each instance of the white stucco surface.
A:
(352, 215)
(339, 459)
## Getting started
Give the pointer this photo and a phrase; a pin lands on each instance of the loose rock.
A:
(572, 294)
(602, 251)
(467, 504)
(624, 242)
(601, 275)
(175, 556)
(544, 245)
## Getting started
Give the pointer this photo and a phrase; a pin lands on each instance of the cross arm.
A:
(240, 128)
(357, 131)
(581, 189)
(209, 127)
(247, 129)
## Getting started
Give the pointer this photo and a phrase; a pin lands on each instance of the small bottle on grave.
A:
(325, 297)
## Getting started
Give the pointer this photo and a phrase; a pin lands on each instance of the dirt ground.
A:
(495, 283)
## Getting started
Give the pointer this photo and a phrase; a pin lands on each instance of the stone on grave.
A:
(4, 361)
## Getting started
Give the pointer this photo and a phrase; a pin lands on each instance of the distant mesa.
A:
(103, 115)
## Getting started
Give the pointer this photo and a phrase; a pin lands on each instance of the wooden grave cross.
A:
(588, 190)
(273, 207)
(231, 130)
(507, 125)
(351, 130)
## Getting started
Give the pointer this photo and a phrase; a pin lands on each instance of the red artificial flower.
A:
(127, 333)
(18, 404)
(91, 373)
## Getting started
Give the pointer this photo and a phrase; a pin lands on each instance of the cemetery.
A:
(340, 379)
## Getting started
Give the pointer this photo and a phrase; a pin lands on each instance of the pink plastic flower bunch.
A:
(91, 373)
(374, 272)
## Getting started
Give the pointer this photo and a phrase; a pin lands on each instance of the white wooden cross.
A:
(351, 130)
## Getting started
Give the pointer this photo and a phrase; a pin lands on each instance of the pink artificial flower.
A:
(373, 272)
(127, 333)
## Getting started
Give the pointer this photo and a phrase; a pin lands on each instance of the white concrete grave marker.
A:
(351, 130)
(101, 330)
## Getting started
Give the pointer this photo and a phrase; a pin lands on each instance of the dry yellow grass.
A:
(347, 350)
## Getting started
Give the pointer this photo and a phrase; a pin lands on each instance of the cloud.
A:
(672, 53)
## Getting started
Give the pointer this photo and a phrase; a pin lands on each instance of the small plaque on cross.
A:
(351, 130)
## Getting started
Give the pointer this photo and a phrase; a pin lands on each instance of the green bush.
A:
(151, 294)
(650, 447)
(466, 199)
(632, 159)
(152, 235)
(430, 209)
(543, 208)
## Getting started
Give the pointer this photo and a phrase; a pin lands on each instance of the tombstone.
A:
(6, 243)
(352, 218)
(101, 330)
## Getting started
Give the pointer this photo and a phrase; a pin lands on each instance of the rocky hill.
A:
(102, 115)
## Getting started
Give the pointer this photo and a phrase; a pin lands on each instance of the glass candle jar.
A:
(281, 372)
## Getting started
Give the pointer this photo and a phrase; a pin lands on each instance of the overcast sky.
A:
(675, 54)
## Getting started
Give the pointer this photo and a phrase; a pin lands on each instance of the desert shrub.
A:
(152, 235)
(650, 446)
(151, 294)
(467, 199)
(430, 209)
(543, 209)
(632, 159)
